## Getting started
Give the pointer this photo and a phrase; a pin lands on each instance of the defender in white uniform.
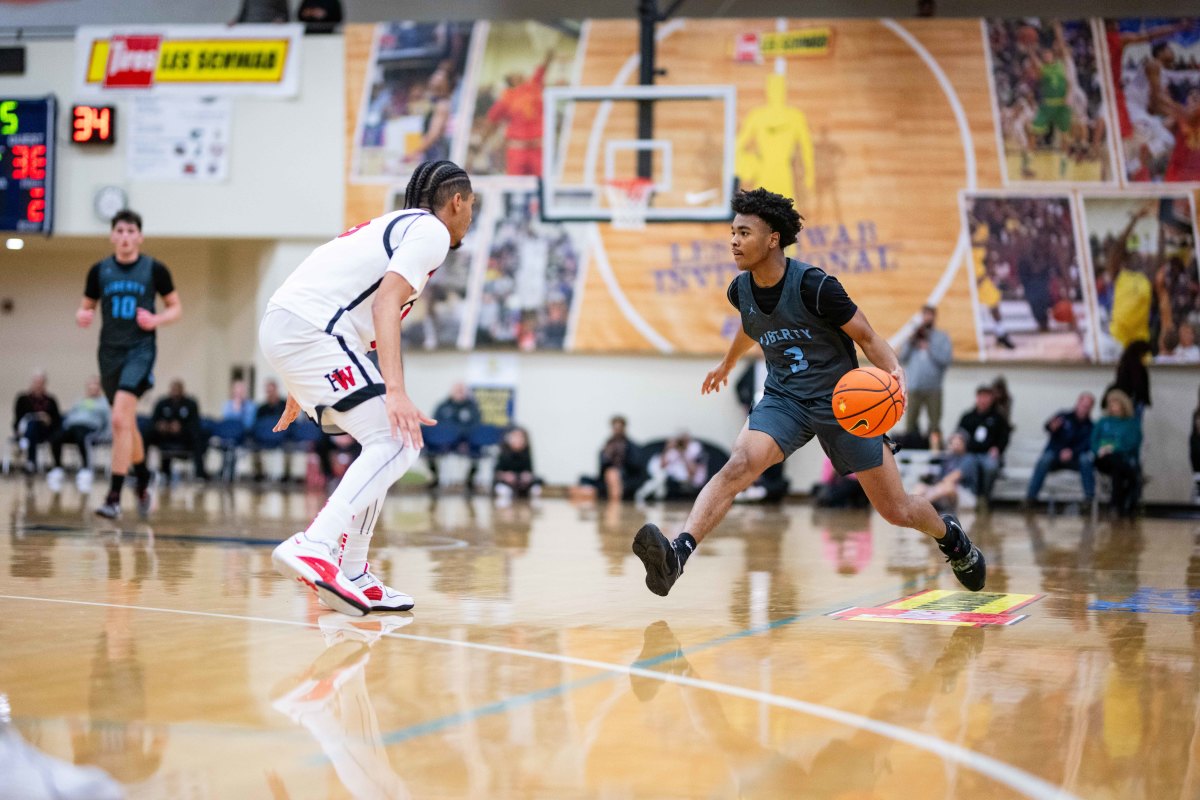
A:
(344, 300)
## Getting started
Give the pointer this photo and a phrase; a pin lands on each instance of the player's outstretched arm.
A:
(719, 377)
(876, 348)
(387, 310)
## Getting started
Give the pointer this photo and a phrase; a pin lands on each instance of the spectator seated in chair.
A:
(37, 420)
(176, 429)
(959, 480)
(678, 472)
(988, 432)
(88, 422)
(237, 421)
(457, 418)
(711, 459)
(1117, 445)
(514, 475)
(1069, 447)
(621, 465)
(263, 435)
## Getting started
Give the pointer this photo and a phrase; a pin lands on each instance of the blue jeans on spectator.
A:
(988, 469)
(1084, 464)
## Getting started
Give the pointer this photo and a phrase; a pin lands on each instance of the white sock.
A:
(358, 540)
(334, 518)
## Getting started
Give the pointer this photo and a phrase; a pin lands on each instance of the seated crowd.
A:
(964, 471)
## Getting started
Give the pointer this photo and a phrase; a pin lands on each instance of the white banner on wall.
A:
(180, 139)
(189, 59)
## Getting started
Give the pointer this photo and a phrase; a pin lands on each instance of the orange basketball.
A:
(1063, 311)
(867, 401)
(1027, 35)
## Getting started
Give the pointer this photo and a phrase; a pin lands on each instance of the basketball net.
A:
(629, 198)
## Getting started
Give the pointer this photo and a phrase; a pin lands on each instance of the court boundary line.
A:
(1006, 774)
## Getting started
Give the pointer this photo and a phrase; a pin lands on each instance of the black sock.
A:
(142, 475)
(685, 545)
(115, 487)
(951, 540)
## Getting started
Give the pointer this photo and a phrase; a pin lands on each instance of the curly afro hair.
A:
(774, 209)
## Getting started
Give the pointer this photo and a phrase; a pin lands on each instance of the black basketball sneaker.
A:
(968, 563)
(658, 555)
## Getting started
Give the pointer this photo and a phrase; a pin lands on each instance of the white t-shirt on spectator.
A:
(681, 466)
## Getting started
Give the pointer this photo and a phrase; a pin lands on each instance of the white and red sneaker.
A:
(380, 596)
(315, 564)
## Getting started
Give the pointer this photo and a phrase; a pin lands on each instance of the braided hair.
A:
(435, 182)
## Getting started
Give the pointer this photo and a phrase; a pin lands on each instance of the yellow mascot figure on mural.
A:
(768, 142)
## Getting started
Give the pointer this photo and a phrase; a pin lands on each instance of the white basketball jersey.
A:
(333, 288)
(1136, 86)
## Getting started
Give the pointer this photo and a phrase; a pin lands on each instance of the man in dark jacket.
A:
(1069, 447)
(175, 426)
(36, 419)
(987, 436)
(457, 416)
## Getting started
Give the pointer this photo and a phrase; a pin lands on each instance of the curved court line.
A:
(968, 143)
(589, 172)
(1012, 777)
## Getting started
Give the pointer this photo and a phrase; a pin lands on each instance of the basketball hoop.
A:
(629, 198)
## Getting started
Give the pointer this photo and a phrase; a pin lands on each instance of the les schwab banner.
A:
(195, 59)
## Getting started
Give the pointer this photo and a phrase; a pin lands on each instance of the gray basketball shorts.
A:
(792, 424)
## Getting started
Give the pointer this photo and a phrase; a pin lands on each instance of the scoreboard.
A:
(27, 164)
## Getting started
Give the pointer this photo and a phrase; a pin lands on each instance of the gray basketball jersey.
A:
(123, 290)
(806, 356)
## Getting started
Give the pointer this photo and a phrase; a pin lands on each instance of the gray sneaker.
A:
(109, 510)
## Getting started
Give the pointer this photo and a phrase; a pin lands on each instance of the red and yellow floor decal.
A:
(944, 607)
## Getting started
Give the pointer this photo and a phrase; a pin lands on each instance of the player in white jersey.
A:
(1148, 102)
(347, 298)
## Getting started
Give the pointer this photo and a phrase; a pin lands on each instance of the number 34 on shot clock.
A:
(93, 124)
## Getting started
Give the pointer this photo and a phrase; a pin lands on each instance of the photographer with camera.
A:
(925, 357)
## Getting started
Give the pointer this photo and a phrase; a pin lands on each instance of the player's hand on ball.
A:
(147, 320)
(716, 379)
(898, 374)
(290, 412)
(406, 420)
(84, 317)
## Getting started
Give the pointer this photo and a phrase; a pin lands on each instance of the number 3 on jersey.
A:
(798, 356)
(124, 306)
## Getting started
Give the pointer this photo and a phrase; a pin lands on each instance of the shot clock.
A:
(93, 124)
(27, 164)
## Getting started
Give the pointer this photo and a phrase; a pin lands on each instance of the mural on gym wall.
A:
(893, 137)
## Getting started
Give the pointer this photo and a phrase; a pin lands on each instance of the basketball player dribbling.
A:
(124, 286)
(807, 326)
(347, 298)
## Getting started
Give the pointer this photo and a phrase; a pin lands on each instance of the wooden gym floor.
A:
(536, 664)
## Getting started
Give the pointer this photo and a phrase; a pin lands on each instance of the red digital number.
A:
(29, 162)
(35, 211)
(92, 124)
